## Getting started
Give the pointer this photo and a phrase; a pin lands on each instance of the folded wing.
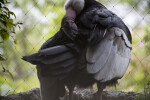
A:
(110, 58)
(55, 60)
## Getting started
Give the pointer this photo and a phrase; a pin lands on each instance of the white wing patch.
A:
(110, 58)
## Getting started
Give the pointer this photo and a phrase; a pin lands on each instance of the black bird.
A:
(93, 46)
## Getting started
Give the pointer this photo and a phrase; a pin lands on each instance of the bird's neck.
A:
(70, 13)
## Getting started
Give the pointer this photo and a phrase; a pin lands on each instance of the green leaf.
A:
(12, 13)
(5, 12)
(16, 42)
(10, 23)
(2, 58)
(2, 1)
(4, 16)
(0, 5)
(4, 35)
(6, 8)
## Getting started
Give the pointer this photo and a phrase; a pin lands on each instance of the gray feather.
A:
(111, 59)
(116, 65)
(57, 58)
(54, 50)
(97, 55)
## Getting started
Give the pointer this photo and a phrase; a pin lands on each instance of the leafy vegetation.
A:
(7, 25)
(7, 30)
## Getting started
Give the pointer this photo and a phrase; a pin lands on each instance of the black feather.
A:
(63, 60)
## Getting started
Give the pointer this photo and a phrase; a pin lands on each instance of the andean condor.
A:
(92, 46)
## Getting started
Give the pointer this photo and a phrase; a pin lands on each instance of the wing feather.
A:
(54, 50)
(97, 55)
(110, 59)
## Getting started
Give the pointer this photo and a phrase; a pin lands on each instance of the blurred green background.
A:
(41, 20)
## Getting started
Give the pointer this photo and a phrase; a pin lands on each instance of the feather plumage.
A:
(96, 48)
(110, 58)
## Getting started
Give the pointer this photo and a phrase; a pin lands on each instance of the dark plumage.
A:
(92, 46)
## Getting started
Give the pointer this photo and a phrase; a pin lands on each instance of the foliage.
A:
(7, 25)
(7, 29)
